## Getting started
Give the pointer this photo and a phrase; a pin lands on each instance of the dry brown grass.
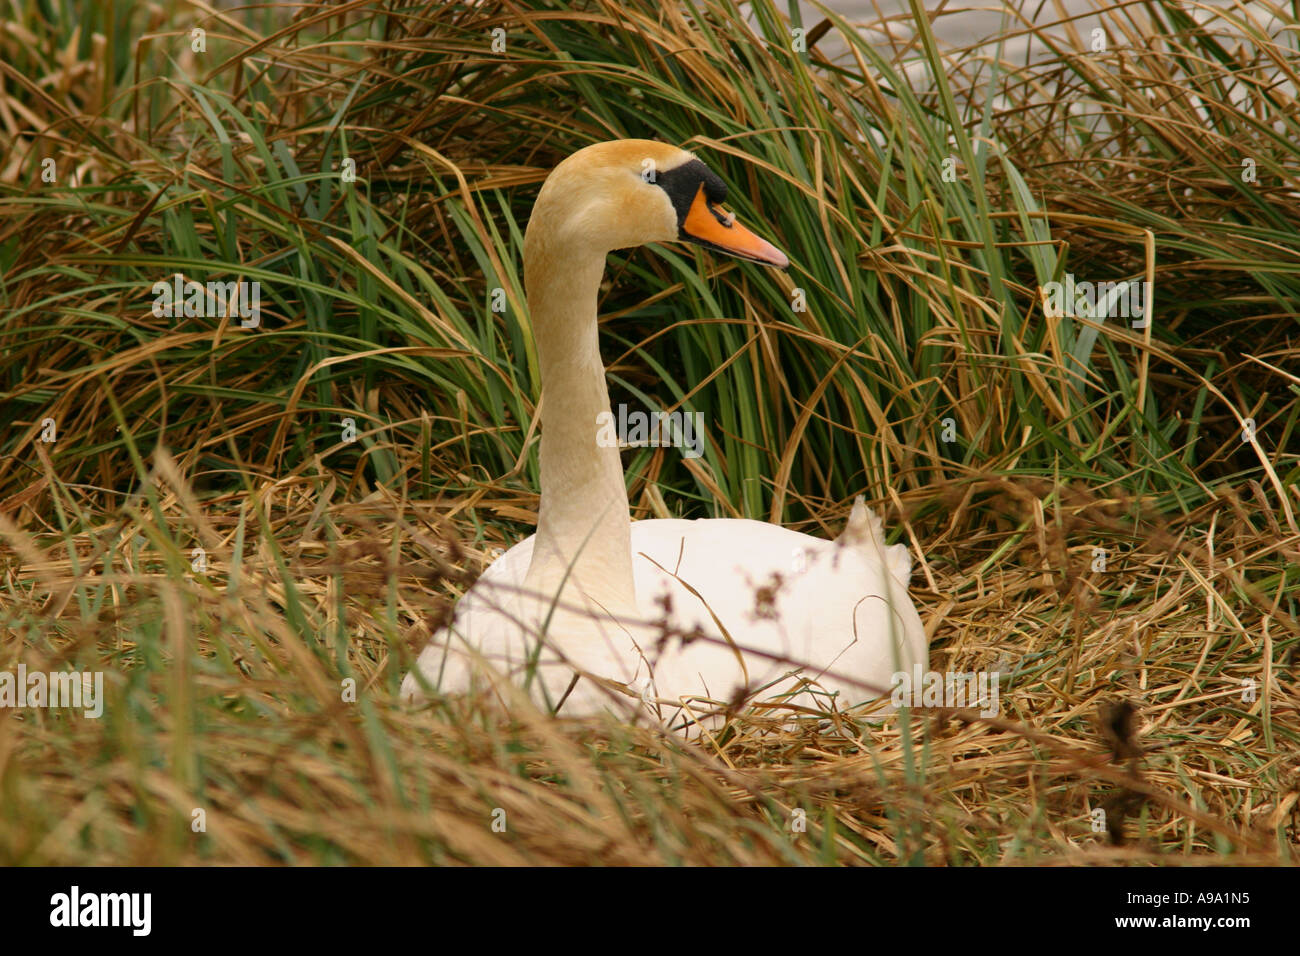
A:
(240, 713)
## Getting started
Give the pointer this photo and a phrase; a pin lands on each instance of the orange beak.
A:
(711, 226)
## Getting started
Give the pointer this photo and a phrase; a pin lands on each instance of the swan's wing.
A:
(839, 608)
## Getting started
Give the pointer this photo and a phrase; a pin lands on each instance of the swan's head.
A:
(635, 191)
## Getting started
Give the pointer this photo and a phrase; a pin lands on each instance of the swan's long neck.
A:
(583, 522)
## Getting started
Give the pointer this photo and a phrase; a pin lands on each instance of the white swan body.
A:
(784, 598)
(674, 617)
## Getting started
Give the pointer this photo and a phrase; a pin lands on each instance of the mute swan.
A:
(679, 617)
